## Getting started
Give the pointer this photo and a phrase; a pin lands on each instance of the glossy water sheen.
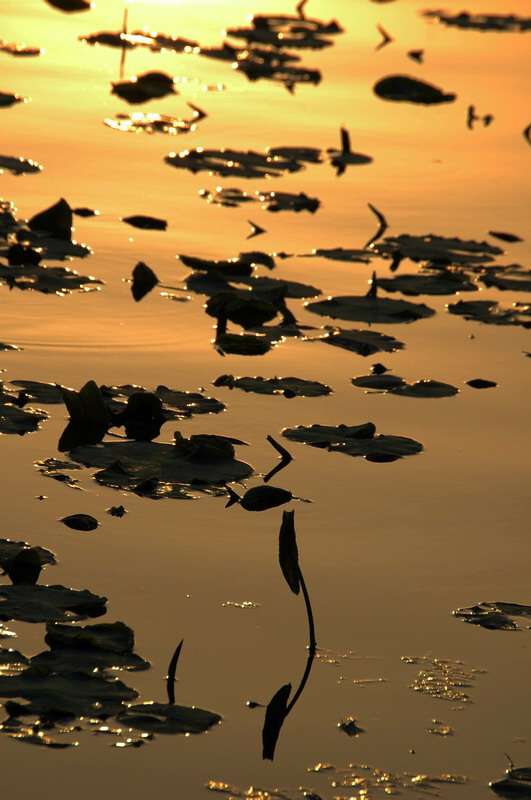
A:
(388, 550)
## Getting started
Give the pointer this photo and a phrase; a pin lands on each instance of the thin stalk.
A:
(311, 647)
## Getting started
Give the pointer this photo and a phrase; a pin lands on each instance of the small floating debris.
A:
(146, 223)
(416, 55)
(510, 23)
(481, 383)
(116, 511)
(386, 38)
(440, 728)
(341, 159)
(472, 118)
(353, 440)
(350, 727)
(19, 166)
(80, 522)
(256, 230)
(402, 88)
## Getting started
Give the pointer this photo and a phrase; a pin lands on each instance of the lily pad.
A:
(370, 309)
(481, 22)
(379, 383)
(168, 718)
(353, 440)
(425, 388)
(439, 250)
(289, 387)
(80, 522)
(48, 393)
(494, 616)
(10, 549)
(18, 420)
(364, 343)
(481, 383)
(48, 603)
(62, 695)
(437, 283)
(202, 460)
(403, 88)
(490, 312)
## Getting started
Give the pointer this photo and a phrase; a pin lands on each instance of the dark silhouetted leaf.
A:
(55, 221)
(481, 383)
(274, 719)
(172, 668)
(80, 522)
(87, 405)
(288, 555)
(48, 603)
(25, 567)
(146, 223)
(168, 718)
(403, 88)
(144, 280)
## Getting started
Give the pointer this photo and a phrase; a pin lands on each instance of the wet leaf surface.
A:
(168, 718)
(439, 250)
(353, 440)
(517, 783)
(380, 383)
(37, 391)
(17, 420)
(48, 604)
(289, 387)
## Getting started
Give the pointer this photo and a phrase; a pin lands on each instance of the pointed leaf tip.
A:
(275, 715)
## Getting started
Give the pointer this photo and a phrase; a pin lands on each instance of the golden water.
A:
(388, 551)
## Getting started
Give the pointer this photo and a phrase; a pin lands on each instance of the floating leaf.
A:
(353, 440)
(275, 715)
(364, 343)
(494, 616)
(48, 603)
(517, 783)
(379, 383)
(168, 718)
(403, 88)
(80, 522)
(425, 388)
(9, 550)
(289, 387)
(370, 309)
(481, 383)
(481, 22)
(490, 312)
(144, 280)
(146, 223)
(25, 568)
(434, 283)
(288, 554)
(40, 392)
